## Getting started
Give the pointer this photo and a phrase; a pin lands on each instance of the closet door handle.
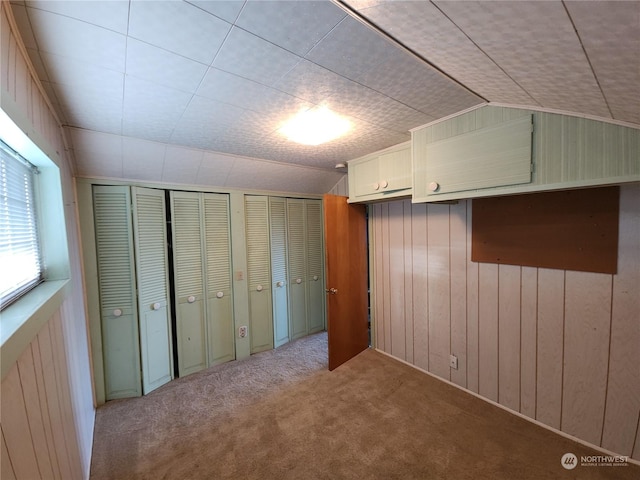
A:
(259, 288)
(191, 298)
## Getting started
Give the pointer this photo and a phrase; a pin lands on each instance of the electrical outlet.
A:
(242, 332)
(453, 362)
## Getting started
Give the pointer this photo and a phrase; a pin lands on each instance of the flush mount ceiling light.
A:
(315, 126)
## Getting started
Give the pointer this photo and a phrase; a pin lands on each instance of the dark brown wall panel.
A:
(568, 230)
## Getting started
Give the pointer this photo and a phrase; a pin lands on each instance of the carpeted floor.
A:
(282, 415)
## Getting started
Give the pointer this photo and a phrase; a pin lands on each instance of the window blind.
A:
(20, 258)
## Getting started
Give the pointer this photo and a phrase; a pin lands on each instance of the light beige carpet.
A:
(282, 415)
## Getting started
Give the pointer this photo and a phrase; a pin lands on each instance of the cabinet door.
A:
(217, 241)
(116, 279)
(495, 156)
(395, 170)
(278, 241)
(258, 273)
(153, 290)
(297, 268)
(315, 266)
(186, 218)
(365, 176)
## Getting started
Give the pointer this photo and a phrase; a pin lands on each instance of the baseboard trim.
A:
(513, 412)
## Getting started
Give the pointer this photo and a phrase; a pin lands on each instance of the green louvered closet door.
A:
(188, 266)
(259, 272)
(116, 278)
(297, 252)
(218, 289)
(278, 243)
(315, 300)
(150, 235)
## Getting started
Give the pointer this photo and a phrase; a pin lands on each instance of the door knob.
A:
(332, 291)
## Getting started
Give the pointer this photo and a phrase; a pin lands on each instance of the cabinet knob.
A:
(315, 278)
(259, 288)
(117, 312)
(191, 299)
(384, 184)
(434, 186)
(155, 306)
(376, 186)
(220, 294)
(298, 280)
(279, 284)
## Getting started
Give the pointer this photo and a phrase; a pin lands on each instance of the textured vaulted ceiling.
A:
(194, 92)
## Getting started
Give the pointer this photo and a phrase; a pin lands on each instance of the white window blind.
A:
(20, 259)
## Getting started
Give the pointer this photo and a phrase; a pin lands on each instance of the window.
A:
(20, 256)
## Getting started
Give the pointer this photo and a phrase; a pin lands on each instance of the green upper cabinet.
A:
(381, 175)
(502, 151)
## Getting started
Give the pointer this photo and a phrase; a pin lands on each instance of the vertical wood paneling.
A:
(45, 408)
(623, 392)
(60, 356)
(550, 346)
(408, 284)
(15, 425)
(54, 401)
(439, 299)
(509, 336)
(488, 331)
(379, 275)
(473, 334)
(6, 469)
(396, 274)
(419, 285)
(528, 340)
(386, 280)
(26, 368)
(458, 268)
(586, 354)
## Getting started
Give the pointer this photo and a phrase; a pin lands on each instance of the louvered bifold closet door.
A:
(217, 236)
(259, 272)
(150, 229)
(278, 242)
(188, 268)
(116, 279)
(315, 266)
(296, 240)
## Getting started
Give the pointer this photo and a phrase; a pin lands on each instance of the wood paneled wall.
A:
(561, 347)
(47, 409)
(39, 437)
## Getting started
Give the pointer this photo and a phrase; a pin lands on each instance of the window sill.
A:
(21, 322)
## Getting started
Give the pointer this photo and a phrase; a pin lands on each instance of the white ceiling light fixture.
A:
(315, 126)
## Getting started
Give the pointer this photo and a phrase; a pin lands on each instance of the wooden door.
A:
(346, 265)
